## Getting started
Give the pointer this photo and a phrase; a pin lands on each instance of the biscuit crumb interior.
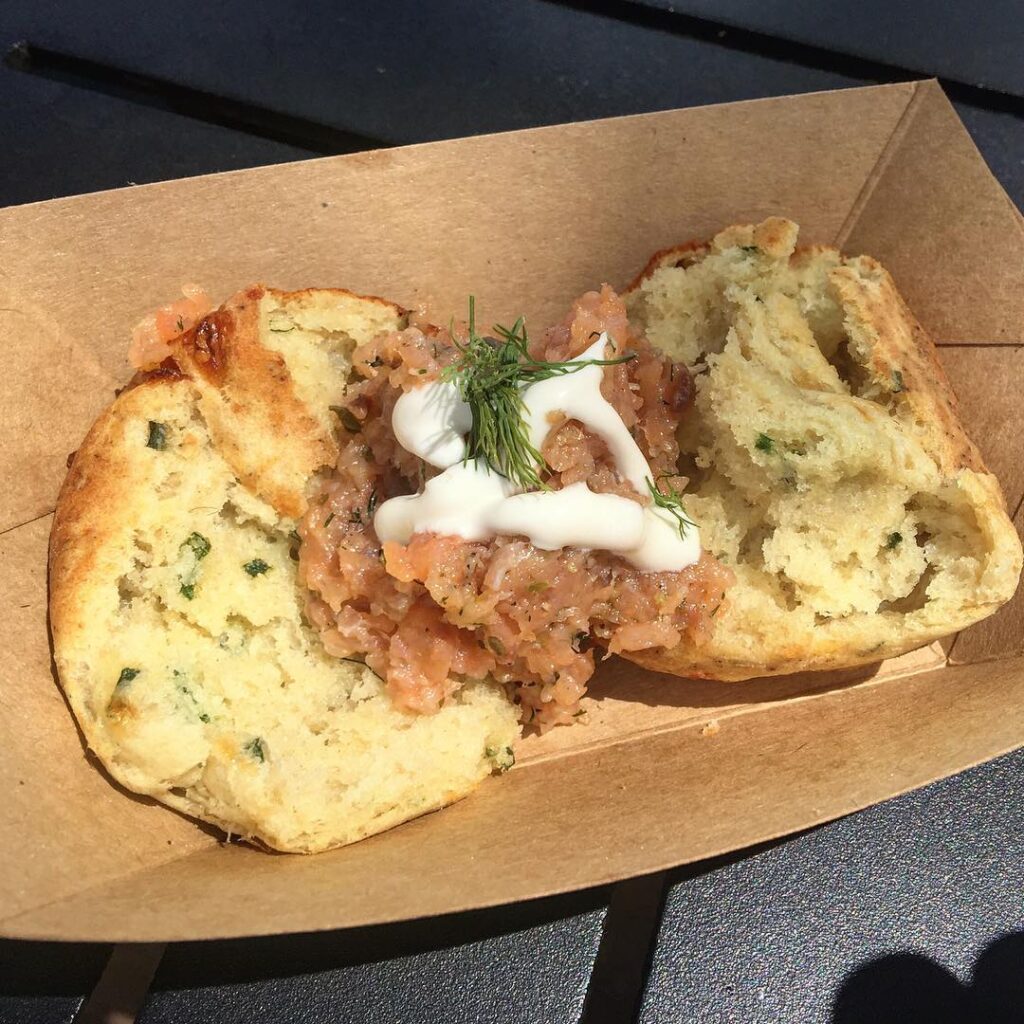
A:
(187, 658)
(814, 472)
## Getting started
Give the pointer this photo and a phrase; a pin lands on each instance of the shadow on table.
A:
(47, 981)
(912, 989)
(243, 961)
(54, 969)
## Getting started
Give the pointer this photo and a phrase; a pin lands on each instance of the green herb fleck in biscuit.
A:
(157, 436)
(126, 676)
(254, 748)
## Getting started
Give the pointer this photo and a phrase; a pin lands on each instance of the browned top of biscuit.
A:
(248, 398)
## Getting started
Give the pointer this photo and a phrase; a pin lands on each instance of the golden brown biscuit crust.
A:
(247, 398)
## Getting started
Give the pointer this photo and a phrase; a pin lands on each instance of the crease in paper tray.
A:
(886, 170)
(805, 763)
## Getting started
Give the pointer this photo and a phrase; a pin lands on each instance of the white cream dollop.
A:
(459, 501)
(430, 421)
(471, 501)
(574, 516)
(662, 549)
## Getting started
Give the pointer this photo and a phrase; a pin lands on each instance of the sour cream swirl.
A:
(469, 500)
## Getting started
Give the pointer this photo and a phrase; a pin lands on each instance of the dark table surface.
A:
(910, 911)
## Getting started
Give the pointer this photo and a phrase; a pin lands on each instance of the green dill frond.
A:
(491, 374)
(672, 502)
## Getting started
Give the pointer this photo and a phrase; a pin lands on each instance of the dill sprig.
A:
(491, 374)
(672, 502)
